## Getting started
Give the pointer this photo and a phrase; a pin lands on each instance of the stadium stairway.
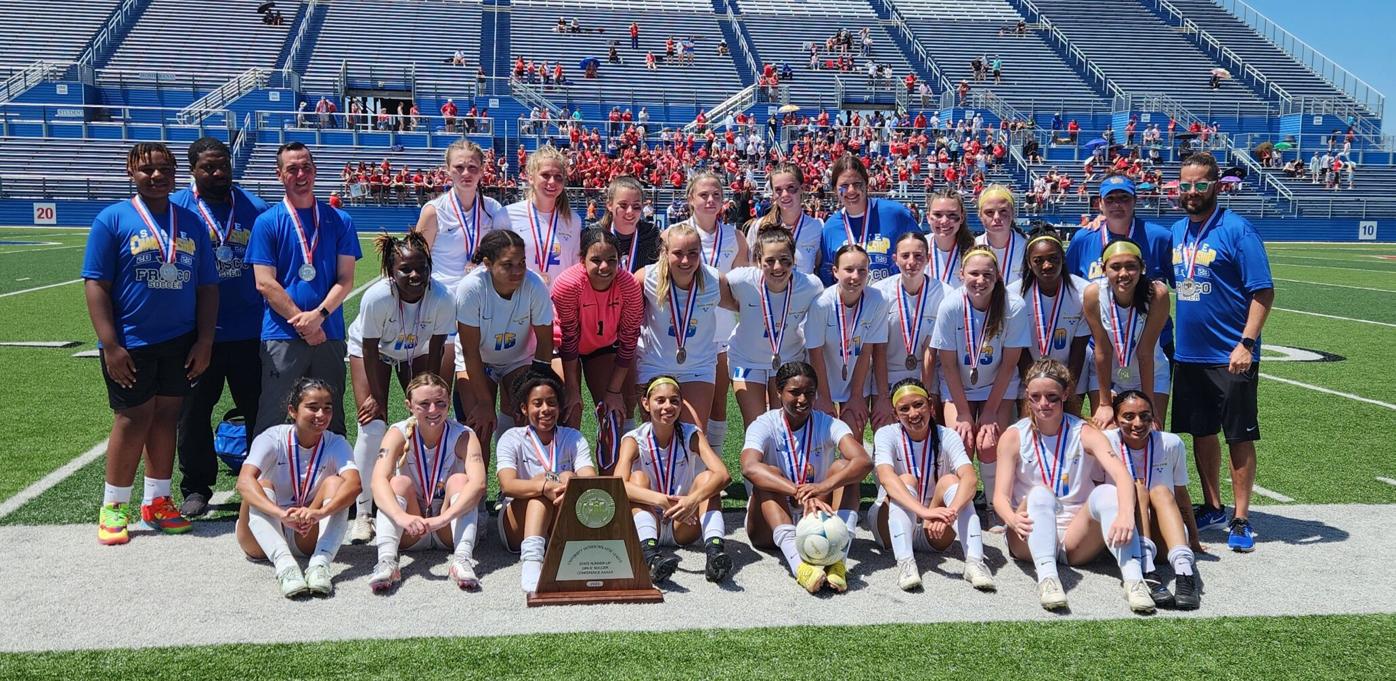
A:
(172, 35)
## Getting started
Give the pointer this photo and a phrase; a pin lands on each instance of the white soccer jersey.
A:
(1012, 254)
(657, 349)
(455, 225)
(807, 235)
(1040, 462)
(686, 466)
(1070, 323)
(751, 339)
(506, 325)
(1167, 460)
(944, 266)
(949, 334)
(1132, 380)
(719, 249)
(816, 444)
(271, 454)
(403, 330)
(890, 449)
(566, 242)
(905, 325)
(822, 330)
(520, 450)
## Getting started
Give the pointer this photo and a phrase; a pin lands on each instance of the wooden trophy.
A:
(593, 555)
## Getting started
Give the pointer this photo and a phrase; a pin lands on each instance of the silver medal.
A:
(974, 376)
(1187, 289)
(307, 272)
(168, 272)
(681, 355)
(223, 253)
(1123, 374)
(844, 372)
(775, 364)
(910, 362)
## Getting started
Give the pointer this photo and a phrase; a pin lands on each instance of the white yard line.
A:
(1333, 316)
(1268, 493)
(39, 288)
(1388, 481)
(47, 482)
(1323, 283)
(36, 249)
(1330, 391)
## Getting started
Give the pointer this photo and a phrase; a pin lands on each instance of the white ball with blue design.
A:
(822, 539)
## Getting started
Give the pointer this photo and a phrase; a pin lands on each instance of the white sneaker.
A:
(385, 575)
(978, 575)
(361, 531)
(908, 575)
(292, 582)
(1052, 596)
(1137, 593)
(317, 577)
(463, 574)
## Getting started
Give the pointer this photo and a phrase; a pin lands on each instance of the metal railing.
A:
(108, 32)
(430, 127)
(737, 102)
(301, 30)
(894, 15)
(17, 120)
(743, 46)
(238, 86)
(1226, 56)
(1072, 52)
(1262, 178)
(531, 97)
(28, 77)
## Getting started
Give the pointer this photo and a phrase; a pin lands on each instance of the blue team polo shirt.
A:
(1231, 267)
(239, 303)
(274, 242)
(885, 220)
(122, 250)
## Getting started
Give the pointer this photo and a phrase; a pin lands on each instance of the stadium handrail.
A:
(1226, 56)
(238, 86)
(281, 122)
(737, 102)
(1264, 179)
(1072, 51)
(109, 32)
(301, 30)
(28, 77)
(56, 115)
(894, 15)
(744, 47)
(1345, 81)
(529, 96)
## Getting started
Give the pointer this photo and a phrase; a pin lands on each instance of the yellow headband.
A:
(1044, 237)
(662, 380)
(909, 389)
(1122, 246)
(979, 250)
(996, 191)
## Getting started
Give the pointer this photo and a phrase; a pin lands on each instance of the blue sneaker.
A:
(1242, 538)
(1209, 518)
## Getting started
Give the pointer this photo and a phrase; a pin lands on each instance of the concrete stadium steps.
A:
(176, 35)
(391, 35)
(56, 31)
(711, 79)
(77, 167)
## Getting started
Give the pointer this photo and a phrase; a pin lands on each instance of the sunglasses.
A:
(1201, 186)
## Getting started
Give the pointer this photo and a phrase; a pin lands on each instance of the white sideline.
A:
(1268, 493)
(47, 482)
(39, 288)
(1330, 391)
(1322, 283)
(1333, 316)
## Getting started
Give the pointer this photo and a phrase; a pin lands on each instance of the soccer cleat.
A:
(161, 514)
(978, 575)
(463, 574)
(112, 520)
(195, 504)
(1137, 593)
(385, 576)
(292, 582)
(810, 576)
(837, 576)
(317, 577)
(1158, 591)
(361, 532)
(908, 575)
(1241, 539)
(719, 565)
(1209, 518)
(1051, 594)
(661, 566)
(1189, 596)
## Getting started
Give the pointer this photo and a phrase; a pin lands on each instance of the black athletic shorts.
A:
(1208, 398)
(159, 371)
(601, 352)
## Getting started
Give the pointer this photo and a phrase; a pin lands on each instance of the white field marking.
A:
(1268, 493)
(1328, 267)
(1330, 391)
(24, 278)
(1324, 283)
(36, 249)
(1333, 316)
(39, 288)
(88, 353)
(40, 344)
(1329, 259)
(84, 229)
(47, 482)
(1388, 481)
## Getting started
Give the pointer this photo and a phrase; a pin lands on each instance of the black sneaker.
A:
(195, 504)
(1158, 591)
(1189, 597)
(719, 564)
(661, 566)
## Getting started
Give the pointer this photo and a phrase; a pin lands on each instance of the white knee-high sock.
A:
(463, 531)
(332, 529)
(714, 527)
(901, 526)
(387, 534)
(531, 550)
(849, 516)
(1148, 551)
(1104, 506)
(269, 536)
(716, 433)
(967, 528)
(365, 456)
(1042, 540)
(646, 526)
(988, 472)
(1182, 559)
(784, 538)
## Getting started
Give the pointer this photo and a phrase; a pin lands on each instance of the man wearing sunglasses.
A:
(1224, 290)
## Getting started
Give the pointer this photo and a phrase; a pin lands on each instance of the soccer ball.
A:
(822, 539)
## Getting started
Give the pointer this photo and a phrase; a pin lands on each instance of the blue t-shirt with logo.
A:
(148, 308)
(274, 243)
(239, 303)
(886, 221)
(1231, 267)
(1155, 246)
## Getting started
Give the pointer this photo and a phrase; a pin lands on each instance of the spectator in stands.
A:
(650, 61)
(1351, 168)
(1073, 131)
(356, 111)
(612, 53)
(722, 49)
(322, 112)
(458, 59)
(302, 115)
(997, 66)
(1214, 81)
(634, 35)
(963, 91)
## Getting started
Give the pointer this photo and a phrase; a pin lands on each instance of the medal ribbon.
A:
(629, 264)
(798, 452)
(167, 245)
(301, 487)
(1122, 336)
(973, 338)
(846, 330)
(768, 315)
(920, 466)
(1190, 247)
(1148, 459)
(609, 434)
(219, 238)
(1006, 265)
(307, 247)
(1052, 476)
(472, 232)
(717, 245)
(848, 231)
(911, 323)
(430, 475)
(945, 272)
(1046, 325)
(546, 455)
(664, 466)
(542, 241)
(681, 325)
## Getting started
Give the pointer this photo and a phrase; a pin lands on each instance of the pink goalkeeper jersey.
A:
(588, 320)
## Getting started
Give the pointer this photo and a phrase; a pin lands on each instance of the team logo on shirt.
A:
(1205, 256)
(146, 243)
(691, 331)
(879, 245)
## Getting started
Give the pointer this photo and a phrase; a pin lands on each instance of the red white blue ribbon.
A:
(472, 231)
(303, 486)
(1046, 325)
(768, 315)
(168, 244)
(547, 455)
(307, 245)
(542, 240)
(847, 330)
(430, 471)
(798, 449)
(911, 320)
(665, 465)
(219, 237)
(920, 467)
(1122, 336)
(1052, 476)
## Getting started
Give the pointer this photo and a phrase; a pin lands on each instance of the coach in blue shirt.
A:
(1224, 295)
(227, 213)
(302, 253)
(875, 224)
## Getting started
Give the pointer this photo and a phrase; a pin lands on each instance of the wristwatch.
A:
(323, 312)
(1248, 343)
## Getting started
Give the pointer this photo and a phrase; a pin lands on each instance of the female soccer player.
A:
(787, 184)
(428, 484)
(799, 455)
(599, 308)
(1049, 460)
(996, 213)
(1053, 299)
(949, 222)
(914, 299)
(980, 330)
(296, 486)
(771, 301)
(681, 292)
(535, 463)
(846, 336)
(547, 223)
(638, 237)
(870, 223)
(926, 487)
(505, 320)
(675, 478)
(1158, 463)
(402, 326)
(1126, 318)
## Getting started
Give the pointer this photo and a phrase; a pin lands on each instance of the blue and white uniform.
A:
(403, 330)
(877, 230)
(229, 225)
(1164, 461)
(657, 349)
(456, 225)
(1010, 257)
(1048, 462)
(864, 327)
(506, 324)
(1134, 380)
(749, 357)
(719, 249)
(905, 324)
(563, 232)
(949, 334)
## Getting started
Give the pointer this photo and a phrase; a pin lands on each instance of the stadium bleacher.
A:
(391, 35)
(56, 31)
(170, 33)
